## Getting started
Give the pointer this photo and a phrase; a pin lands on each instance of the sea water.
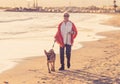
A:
(28, 34)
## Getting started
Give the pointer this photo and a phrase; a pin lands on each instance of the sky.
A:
(56, 3)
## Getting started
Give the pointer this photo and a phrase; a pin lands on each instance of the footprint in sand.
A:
(117, 81)
(45, 78)
(5, 82)
(33, 70)
(38, 82)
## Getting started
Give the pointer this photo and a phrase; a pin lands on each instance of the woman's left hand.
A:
(70, 32)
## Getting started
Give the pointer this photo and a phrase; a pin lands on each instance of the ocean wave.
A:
(13, 33)
(16, 38)
(14, 20)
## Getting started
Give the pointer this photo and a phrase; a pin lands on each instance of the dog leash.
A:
(53, 44)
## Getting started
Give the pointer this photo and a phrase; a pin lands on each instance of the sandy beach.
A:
(114, 21)
(98, 62)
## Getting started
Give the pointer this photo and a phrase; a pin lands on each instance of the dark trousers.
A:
(68, 54)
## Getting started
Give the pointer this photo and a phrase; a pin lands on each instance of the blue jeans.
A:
(68, 54)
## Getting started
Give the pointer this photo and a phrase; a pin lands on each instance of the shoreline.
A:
(31, 67)
(92, 37)
(114, 21)
(39, 69)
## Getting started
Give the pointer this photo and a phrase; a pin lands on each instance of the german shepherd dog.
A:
(51, 56)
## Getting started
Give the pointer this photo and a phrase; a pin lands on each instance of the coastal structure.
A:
(90, 9)
(69, 8)
(115, 6)
(35, 3)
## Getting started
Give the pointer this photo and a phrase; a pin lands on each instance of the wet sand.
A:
(114, 21)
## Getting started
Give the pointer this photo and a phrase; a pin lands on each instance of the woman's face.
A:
(66, 17)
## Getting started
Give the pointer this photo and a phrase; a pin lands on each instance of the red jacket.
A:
(58, 36)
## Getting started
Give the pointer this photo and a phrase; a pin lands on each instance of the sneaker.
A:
(61, 68)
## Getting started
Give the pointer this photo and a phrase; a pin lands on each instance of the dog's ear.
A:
(45, 52)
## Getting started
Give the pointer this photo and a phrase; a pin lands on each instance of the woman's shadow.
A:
(87, 77)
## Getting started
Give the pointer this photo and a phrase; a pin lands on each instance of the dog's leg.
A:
(53, 68)
(48, 67)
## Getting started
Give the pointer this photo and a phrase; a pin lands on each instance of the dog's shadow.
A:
(87, 77)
